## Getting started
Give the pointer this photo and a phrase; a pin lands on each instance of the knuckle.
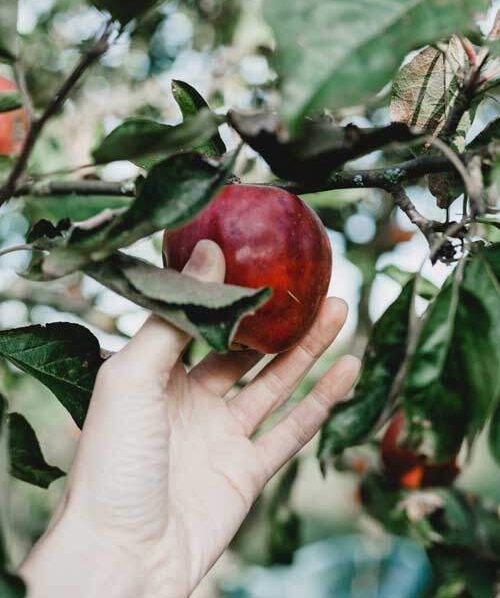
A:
(274, 384)
(322, 400)
(300, 433)
(111, 370)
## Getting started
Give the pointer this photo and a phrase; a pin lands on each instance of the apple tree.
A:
(366, 103)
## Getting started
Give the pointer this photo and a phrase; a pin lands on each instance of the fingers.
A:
(296, 429)
(158, 345)
(219, 373)
(273, 386)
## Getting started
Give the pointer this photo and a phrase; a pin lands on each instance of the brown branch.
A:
(37, 125)
(425, 225)
(386, 178)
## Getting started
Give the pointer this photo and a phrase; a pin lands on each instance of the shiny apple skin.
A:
(269, 237)
(13, 125)
(409, 469)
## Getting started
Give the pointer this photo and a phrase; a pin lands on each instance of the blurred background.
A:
(221, 47)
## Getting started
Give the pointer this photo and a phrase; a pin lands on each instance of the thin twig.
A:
(13, 248)
(20, 76)
(62, 302)
(402, 200)
(462, 101)
(78, 187)
(472, 178)
(36, 127)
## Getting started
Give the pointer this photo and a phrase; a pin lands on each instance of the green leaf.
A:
(191, 103)
(442, 517)
(125, 10)
(204, 310)
(9, 100)
(352, 422)
(453, 379)
(8, 30)
(426, 288)
(174, 191)
(284, 523)
(26, 459)
(494, 434)
(139, 138)
(336, 54)
(320, 148)
(73, 207)
(64, 357)
(11, 586)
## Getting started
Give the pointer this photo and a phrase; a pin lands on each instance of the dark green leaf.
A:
(9, 100)
(26, 459)
(426, 288)
(11, 586)
(336, 54)
(141, 137)
(381, 500)
(442, 516)
(494, 434)
(204, 310)
(191, 103)
(321, 147)
(454, 379)
(174, 191)
(8, 30)
(45, 235)
(64, 357)
(284, 523)
(72, 207)
(352, 422)
(125, 10)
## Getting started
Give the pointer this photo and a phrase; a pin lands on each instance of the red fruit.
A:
(408, 468)
(13, 125)
(269, 237)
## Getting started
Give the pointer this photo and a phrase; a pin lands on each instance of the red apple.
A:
(269, 237)
(13, 125)
(408, 468)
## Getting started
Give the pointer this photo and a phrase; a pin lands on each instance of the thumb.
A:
(159, 344)
(206, 263)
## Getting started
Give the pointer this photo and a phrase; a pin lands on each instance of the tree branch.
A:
(386, 178)
(37, 125)
(425, 225)
(33, 296)
(78, 187)
(463, 101)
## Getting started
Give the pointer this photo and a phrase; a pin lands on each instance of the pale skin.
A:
(167, 467)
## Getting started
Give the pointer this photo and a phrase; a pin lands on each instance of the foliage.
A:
(373, 112)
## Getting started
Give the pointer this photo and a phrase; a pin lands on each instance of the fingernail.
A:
(202, 258)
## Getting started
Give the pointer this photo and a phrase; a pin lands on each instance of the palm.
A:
(166, 461)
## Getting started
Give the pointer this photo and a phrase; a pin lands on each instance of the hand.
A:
(166, 468)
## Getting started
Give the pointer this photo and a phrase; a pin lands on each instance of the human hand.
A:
(166, 468)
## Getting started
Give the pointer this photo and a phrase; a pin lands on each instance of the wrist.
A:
(73, 560)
